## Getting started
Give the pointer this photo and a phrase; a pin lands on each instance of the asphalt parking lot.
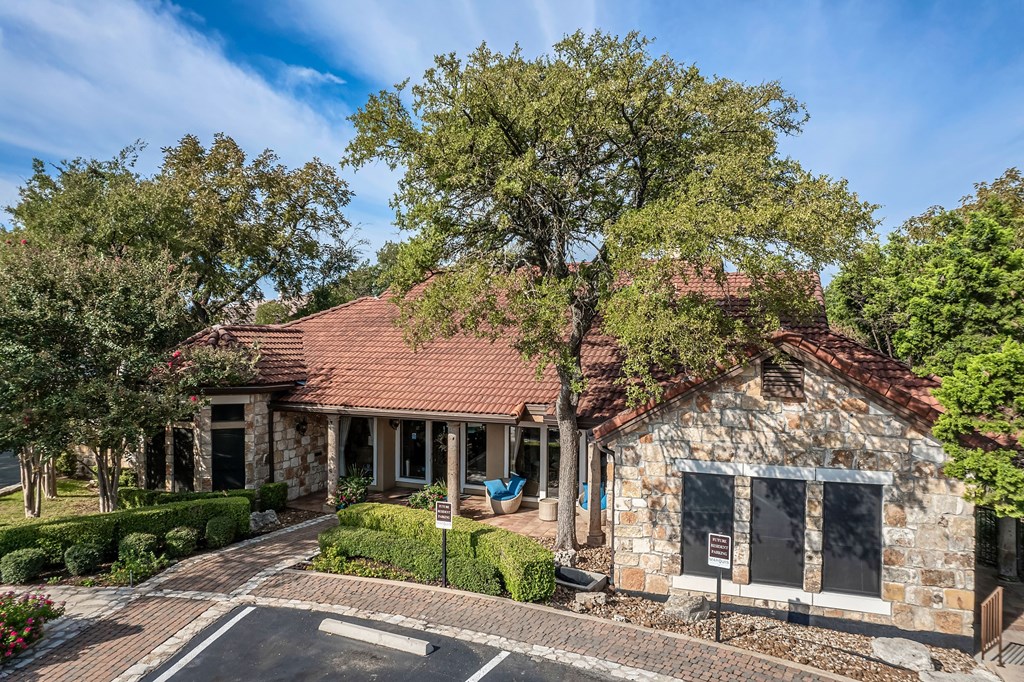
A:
(284, 644)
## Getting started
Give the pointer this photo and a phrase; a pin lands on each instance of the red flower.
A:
(176, 354)
(24, 241)
(193, 398)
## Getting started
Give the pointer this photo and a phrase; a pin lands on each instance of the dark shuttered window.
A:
(783, 379)
(852, 542)
(777, 532)
(231, 412)
(707, 508)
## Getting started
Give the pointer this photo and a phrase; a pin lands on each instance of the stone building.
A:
(816, 457)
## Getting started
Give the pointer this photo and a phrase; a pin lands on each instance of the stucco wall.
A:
(300, 459)
(928, 530)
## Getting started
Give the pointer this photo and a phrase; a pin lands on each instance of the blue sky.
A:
(911, 101)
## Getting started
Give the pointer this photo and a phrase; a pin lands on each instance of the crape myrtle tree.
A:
(546, 195)
(235, 223)
(87, 356)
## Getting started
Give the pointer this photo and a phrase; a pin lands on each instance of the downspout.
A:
(270, 434)
(611, 507)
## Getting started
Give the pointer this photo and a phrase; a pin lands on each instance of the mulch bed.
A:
(837, 652)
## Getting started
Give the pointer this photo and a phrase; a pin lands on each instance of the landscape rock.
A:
(566, 557)
(260, 520)
(589, 600)
(688, 609)
(904, 653)
(620, 619)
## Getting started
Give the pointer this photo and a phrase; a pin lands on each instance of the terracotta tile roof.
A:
(888, 378)
(282, 357)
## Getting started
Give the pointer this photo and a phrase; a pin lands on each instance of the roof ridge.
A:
(320, 313)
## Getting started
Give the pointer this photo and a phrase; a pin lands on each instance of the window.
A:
(707, 508)
(777, 532)
(439, 451)
(232, 412)
(413, 451)
(359, 447)
(554, 460)
(782, 378)
(476, 454)
(527, 460)
(852, 539)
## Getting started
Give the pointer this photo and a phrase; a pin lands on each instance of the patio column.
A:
(343, 426)
(332, 459)
(454, 484)
(595, 536)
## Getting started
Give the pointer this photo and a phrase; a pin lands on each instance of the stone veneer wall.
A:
(257, 441)
(300, 460)
(928, 530)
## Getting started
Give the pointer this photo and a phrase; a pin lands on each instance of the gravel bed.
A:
(837, 652)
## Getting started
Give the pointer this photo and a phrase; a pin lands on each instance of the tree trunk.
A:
(50, 479)
(568, 467)
(108, 470)
(28, 458)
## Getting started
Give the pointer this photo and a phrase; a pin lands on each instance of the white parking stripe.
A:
(479, 675)
(185, 660)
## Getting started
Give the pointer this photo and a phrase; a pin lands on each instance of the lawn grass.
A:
(74, 498)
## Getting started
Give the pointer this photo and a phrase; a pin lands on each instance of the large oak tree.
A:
(545, 196)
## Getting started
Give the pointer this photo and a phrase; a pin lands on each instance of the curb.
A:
(824, 674)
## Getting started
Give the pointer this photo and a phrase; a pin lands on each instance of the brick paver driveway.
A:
(131, 639)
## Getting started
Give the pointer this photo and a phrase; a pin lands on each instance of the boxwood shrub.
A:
(135, 544)
(106, 530)
(526, 567)
(22, 565)
(83, 558)
(181, 541)
(220, 531)
(273, 496)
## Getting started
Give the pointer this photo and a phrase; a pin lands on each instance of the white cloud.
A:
(296, 76)
(391, 41)
(86, 79)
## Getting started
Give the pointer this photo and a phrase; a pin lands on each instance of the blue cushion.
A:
(586, 498)
(516, 485)
(503, 496)
(495, 488)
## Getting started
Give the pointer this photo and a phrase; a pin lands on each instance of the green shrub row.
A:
(527, 568)
(421, 559)
(268, 496)
(22, 565)
(106, 531)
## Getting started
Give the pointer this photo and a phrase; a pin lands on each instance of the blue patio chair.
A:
(584, 500)
(505, 499)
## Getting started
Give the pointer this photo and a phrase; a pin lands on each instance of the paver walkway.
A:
(147, 626)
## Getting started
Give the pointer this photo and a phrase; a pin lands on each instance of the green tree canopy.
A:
(544, 193)
(367, 279)
(233, 222)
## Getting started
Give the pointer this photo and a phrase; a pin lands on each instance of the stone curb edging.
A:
(588, 618)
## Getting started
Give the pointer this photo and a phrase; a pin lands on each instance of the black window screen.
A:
(707, 508)
(852, 543)
(777, 532)
(228, 413)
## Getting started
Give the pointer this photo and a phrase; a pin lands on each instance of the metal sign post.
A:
(720, 557)
(443, 520)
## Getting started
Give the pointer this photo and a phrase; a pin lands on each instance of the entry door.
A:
(184, 459)
(156, 462)
(228, 459)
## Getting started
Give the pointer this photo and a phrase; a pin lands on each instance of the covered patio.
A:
(526, 521)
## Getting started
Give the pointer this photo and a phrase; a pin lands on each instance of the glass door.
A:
(527, 459)
(412, 455)
(439, 451)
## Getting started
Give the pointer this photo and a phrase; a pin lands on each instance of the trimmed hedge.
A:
(22, 565)
(107, 530)
(134, 498)
(135, 544)
(421, 559)
(526, 567)
(220, 531)
(181, 541)
(83, 558)
(273, 496)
